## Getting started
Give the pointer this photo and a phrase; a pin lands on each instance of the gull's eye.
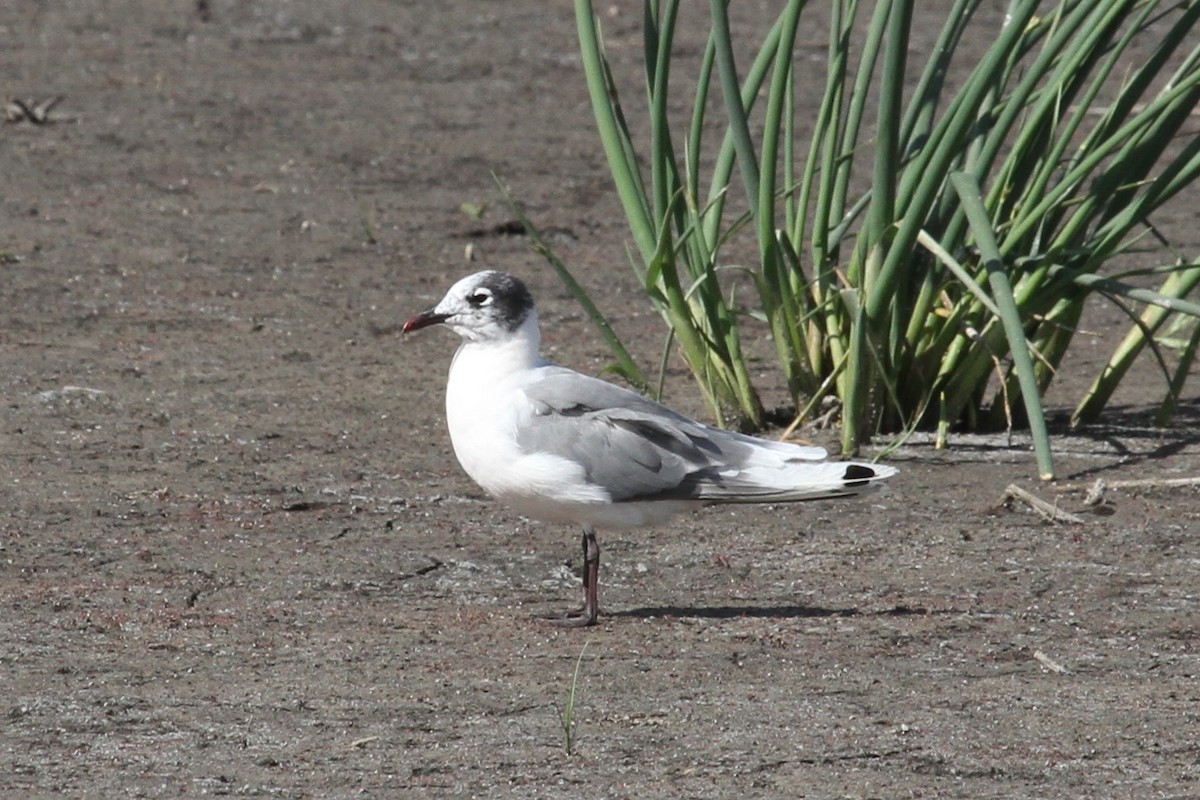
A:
(479, 298)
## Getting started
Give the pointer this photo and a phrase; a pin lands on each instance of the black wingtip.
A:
(857, 475)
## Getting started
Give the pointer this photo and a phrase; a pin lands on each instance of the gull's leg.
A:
(585, 615)
(578, 610)
(591, 576)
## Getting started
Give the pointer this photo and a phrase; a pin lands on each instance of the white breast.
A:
(484, 406)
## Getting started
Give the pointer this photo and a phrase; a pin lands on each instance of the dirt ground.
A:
(238, 557)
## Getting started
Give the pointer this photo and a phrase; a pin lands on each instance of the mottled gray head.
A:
(483, 306)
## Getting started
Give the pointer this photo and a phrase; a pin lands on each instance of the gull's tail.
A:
(773, 481)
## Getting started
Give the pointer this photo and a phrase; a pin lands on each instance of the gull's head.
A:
(486, 306)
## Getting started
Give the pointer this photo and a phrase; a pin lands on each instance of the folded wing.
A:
(639, 450)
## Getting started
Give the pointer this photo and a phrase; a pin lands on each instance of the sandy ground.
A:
(239, 559)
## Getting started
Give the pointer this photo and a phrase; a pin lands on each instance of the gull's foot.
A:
(575, 618)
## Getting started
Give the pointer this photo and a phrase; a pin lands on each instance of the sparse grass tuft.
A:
(566, 715)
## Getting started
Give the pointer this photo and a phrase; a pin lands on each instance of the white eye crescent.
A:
(479, 298)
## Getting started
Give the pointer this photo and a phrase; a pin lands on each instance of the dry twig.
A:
(1049, 663)
(1047, 511)
(37, 113)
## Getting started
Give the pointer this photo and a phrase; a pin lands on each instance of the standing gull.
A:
(559, 446)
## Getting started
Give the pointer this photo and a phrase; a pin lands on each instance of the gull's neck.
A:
(493, 357)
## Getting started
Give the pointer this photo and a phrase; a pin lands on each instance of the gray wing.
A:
(634, 448)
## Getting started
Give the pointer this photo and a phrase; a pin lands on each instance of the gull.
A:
(563, 447)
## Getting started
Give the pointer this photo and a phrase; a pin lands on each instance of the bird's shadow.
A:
(768, 612)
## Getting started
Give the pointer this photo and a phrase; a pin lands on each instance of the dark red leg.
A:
(587, 614)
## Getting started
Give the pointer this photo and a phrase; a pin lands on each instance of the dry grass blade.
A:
(1097, 489)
